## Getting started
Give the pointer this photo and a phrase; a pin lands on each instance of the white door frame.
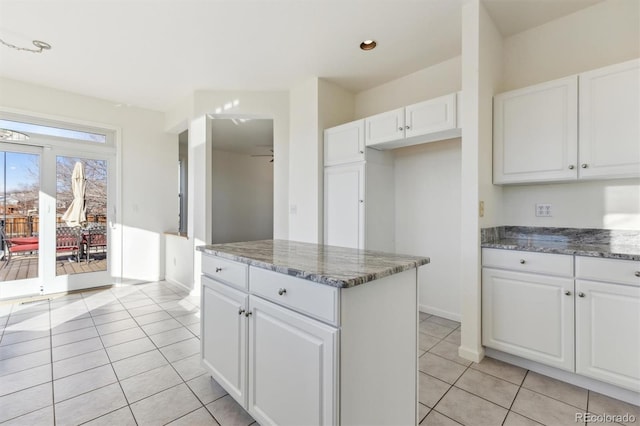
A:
(51, 147)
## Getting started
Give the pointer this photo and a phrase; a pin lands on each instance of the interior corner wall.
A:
(305, 163)
(242, 203)
(490, 80)
(431, 82)
(471, 319)
(600, 35)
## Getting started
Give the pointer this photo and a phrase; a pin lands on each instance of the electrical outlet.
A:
(481, 209)
(543, 210)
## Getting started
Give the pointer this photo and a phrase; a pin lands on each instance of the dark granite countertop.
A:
(613, 244)
(335, 266)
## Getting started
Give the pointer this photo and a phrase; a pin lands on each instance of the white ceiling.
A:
(152, 53)
(251, 137)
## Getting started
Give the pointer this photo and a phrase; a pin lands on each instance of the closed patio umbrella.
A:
(76, 214)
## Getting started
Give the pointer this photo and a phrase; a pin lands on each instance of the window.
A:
(53, 131)
(183, 188)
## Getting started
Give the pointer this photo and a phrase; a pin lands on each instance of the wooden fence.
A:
(28, 226)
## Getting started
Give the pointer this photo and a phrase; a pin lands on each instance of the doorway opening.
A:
(242, 179)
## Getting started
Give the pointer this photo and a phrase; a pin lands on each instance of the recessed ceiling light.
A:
(368, 45)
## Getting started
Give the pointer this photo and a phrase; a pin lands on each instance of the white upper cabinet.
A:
(344, 144)
(586, 126)
(385, 127)
(428, 121)
(610, 121)
(434, 115)
(535, 133)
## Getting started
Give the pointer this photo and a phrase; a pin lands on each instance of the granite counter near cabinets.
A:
(335, 266)
(613, 244)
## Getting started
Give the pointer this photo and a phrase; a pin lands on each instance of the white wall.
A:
(427, 212)
(147, 208)
(437, 80)
(304, 163)
(481, 58)
(242, 197)
(603, 34)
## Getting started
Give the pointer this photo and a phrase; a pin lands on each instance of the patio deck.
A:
(22, 267)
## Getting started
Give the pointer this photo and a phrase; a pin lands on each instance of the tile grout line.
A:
(53, 390)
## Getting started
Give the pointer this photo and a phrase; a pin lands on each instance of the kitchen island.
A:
(305, 334)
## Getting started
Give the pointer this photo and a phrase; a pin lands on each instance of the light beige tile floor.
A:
(453, 391)
(130, 356)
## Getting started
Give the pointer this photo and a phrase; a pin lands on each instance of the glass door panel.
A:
(20, 268)
(81, 215)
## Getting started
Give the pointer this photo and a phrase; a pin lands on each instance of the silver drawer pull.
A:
(218, 269)
(248, 314)
(282, 291)
(401, 128)
(522, 261)
(567, 293)
(581, 294)
(241, 311)
(637, 274)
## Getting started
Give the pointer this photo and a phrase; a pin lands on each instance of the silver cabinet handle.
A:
(401, 128)
(282, 291)
(248, 314)
(567, 293)
(218, 269)
(407, 127)
(637, 274)
(241, 311)
(583, 165)
(522, 262)
(571, 167)
(362, 201)
(581, 294)
(361, 152)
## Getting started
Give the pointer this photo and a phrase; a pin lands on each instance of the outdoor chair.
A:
(10, 247)
(69, 239)
(95, 238)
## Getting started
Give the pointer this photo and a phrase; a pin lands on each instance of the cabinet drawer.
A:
(316, 300)
(227, 271)
(608, 270)
(524, 261)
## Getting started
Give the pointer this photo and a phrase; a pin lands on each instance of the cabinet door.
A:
(344, 206)
(535, 133)
(344, 144)
(292, 367)
(385, 127)
(224, 337)
(609, 121)
(434, 115)
(529, 315)
(608, 333)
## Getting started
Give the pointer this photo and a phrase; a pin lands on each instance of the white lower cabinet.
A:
(224, 338)
(292, 367)
(276, 348)
(534, 316)
(608, 322)
(529, 315)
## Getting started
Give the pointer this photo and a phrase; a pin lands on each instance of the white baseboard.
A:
(575, 379)
(470, 354)
(439, 312)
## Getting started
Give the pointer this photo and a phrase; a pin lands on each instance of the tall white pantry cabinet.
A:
(358, 191)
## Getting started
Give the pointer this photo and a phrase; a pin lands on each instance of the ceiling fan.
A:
(265, 155)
